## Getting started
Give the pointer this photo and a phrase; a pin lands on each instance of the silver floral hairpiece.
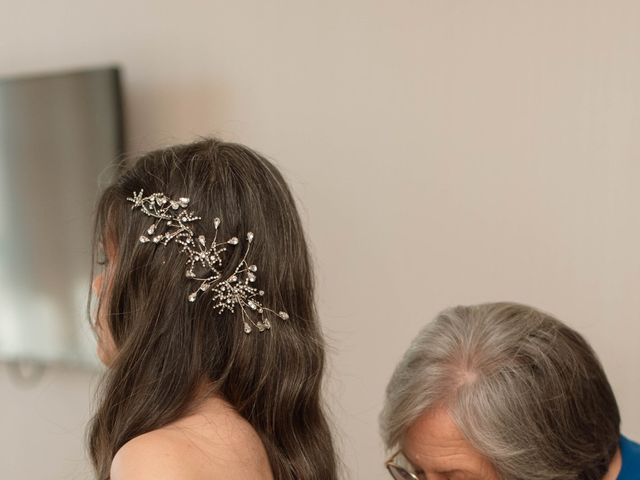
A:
(228, 293)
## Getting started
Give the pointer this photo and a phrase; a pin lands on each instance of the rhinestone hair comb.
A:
(237, 290)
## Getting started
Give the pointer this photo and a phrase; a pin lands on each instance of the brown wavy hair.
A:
(166, 345)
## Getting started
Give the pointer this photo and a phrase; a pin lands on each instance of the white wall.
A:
(443, 152)
(42, 425)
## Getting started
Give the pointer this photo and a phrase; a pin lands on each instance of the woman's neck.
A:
(205, 393)
(614, 467)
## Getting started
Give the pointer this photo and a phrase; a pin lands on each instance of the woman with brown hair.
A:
(207, 323)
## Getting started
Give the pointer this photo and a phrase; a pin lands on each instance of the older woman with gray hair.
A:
(503, 391)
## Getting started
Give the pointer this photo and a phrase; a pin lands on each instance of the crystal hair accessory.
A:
(237, 290)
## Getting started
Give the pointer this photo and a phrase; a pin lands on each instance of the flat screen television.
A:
(60, 138)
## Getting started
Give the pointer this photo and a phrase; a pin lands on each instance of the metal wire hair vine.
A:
(235, 291)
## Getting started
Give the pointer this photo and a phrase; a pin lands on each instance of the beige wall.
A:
(443, 152)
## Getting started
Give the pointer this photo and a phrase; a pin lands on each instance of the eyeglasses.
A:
(399, 467)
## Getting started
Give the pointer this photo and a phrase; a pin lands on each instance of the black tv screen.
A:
(60, 137)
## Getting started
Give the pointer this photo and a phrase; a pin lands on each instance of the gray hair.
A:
(527, 391)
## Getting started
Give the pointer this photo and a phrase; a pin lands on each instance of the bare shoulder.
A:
(148, 456)
(214, 443)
